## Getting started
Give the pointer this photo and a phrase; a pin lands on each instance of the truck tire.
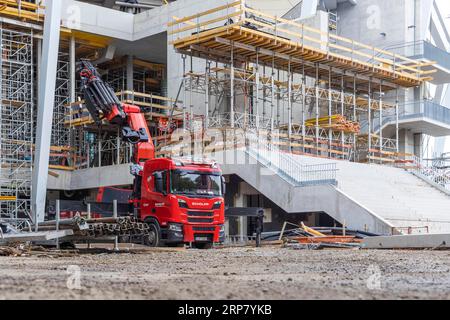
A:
(153, 239)
(203, 245)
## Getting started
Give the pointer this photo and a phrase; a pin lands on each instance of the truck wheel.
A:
(203, 245)
(153, 238)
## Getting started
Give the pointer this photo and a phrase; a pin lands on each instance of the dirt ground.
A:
(231, 273)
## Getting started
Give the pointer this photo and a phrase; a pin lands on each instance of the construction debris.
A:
(26, 250)
(319, 246)
(303, 237)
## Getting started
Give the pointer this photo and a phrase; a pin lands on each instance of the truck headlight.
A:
(182, 203)
(217, 205)
(175, 227)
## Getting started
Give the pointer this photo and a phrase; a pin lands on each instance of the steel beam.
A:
(46, 101)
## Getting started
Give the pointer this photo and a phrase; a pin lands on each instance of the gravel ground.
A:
(231, 273)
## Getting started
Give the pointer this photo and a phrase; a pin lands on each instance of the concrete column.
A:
(46, 100)
(130, 73)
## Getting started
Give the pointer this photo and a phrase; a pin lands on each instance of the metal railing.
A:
(422, 49)
(437, 177)
(241, 120)
(414, 109)
(289, 168)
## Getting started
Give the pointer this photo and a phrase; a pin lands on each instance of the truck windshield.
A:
(195, 183)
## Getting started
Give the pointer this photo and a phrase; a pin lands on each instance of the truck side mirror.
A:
(224, 186)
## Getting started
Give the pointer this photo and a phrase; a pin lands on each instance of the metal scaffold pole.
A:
(317, 110)
(369, 120)
(396, 121)
(232, 89)
(380, 108)
(354, 110)
(303, 107)
(184, 91)
(272, 98)
(207, 71)
(343, 136)
(330, 104)
(257, 84)
(289, 82)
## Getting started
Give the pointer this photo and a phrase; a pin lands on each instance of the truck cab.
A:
(182, 200)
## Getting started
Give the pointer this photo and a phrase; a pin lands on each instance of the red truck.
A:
(182, 200)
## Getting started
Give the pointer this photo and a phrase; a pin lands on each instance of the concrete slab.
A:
(35, 236)
(416, 241)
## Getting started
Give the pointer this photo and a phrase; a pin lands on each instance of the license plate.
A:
(201, 238)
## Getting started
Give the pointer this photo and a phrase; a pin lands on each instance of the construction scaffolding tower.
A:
(318, 93)
(60, 133)
(16, 122)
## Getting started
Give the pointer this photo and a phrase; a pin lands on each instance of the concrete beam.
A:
(46, 100)
(419, 241)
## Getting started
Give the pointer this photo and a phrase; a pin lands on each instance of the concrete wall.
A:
(277, 8)
(368, 19)
(97, 20)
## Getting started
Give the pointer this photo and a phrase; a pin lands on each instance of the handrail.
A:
(420, 108)
(439, 178)
(289, 169)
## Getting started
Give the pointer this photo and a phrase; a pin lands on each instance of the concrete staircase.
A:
(377, 198)
(393, 193)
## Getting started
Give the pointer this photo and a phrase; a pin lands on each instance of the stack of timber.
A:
(335, 122)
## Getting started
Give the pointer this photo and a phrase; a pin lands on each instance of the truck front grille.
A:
(200, 220)
(200, 213)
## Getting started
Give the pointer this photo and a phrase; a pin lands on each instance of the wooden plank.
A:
(327, 239)
(63, 168)
(8, 198)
